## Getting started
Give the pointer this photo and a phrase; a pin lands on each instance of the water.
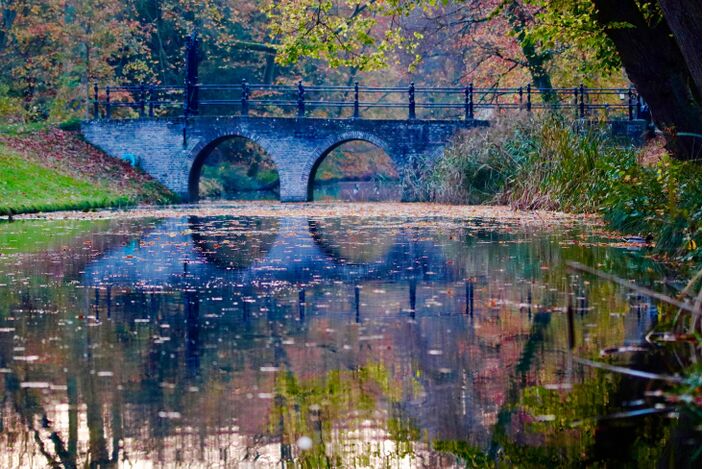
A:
(346, 191)
(321, 341)
(358, 191)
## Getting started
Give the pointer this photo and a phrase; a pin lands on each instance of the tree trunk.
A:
(655, 65)
(684, 17)
(6, 21)
(536, 60)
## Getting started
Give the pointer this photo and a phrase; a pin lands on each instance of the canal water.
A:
(272, 338)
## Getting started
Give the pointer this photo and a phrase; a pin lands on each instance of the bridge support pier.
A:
(291, 189)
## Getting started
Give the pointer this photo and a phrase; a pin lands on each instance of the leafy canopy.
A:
(366, 34)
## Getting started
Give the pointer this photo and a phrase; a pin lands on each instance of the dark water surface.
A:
(318, 342)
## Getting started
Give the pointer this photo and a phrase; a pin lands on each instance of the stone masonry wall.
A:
(296, 145)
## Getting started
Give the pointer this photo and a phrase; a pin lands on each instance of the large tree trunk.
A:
(684, 17)
(657, 68)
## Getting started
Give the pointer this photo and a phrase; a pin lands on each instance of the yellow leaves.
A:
(351, 34)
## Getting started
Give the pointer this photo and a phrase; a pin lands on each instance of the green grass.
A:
(27, 187)
(27, 236)
(22, 128)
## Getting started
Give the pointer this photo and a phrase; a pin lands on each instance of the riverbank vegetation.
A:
(48, 169)
(552, 163)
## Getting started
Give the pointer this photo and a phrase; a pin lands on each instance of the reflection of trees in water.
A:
(234, 243)
(210, 385)
(209, 372)
(62, 254)
(341, 412)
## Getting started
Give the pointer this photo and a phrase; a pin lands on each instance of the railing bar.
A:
(441, 105)
(383, 90)
(331, 103)
(272, 100)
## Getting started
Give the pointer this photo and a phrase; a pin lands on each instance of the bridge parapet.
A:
(357, 102)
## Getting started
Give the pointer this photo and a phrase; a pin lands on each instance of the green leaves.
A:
(354, 33)
(663, 201)
(572, 24)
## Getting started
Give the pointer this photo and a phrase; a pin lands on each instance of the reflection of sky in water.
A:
(212, 341)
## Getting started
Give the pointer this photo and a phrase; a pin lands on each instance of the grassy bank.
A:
(550, 163)
(48, 169)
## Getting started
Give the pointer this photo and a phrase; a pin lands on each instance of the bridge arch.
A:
(369, 251)
(202, 151)
(323, 150)
(228, 244)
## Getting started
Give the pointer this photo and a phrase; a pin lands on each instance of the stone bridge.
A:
(174, 154)
(173, 149)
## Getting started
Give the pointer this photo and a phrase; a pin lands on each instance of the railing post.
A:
(630, 104)
(245, 98)
(108, 111)
(142, 100)
(356, 100)
(520, 98)
(471, 100)
(96, 109)
(151, 100)
(529, 103)
(301, 99)
(186, 98)
(581, 100)
(576, 102)
(412, 101)
(186, 104)
(192, 58)
(466, 103)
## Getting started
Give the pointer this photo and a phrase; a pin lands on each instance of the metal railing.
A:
(356, 101)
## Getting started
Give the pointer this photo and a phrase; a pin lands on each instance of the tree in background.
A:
(223, 26)
(53, 50)
(492, 38)
(658, 46)
(49, 49)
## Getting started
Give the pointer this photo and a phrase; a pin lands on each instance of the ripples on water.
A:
(343, 342)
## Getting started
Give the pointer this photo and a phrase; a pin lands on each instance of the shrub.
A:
(475, 168)
(73, 124)
(566, 167)
(11, 110)
(662, 202)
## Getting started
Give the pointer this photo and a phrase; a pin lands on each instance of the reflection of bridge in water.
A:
(296, 253)
(234, 257)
